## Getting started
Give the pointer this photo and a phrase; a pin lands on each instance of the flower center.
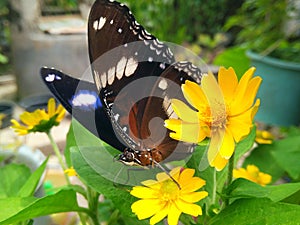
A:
(215, 117)
(169, 190)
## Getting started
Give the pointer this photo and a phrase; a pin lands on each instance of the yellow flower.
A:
(253, 174)
(2, 116)
(264, 137)
(223, 111)
(39, 120)
(70, 172)
(165, 197)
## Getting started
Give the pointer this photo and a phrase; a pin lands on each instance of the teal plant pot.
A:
(279, 91)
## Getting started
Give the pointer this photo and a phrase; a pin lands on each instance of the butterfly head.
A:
(129, 157)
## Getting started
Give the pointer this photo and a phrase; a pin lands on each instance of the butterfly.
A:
(135, 77)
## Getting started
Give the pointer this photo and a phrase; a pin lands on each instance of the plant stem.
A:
(93, 199)
(229, 175)
(58, 155)
(214, 193)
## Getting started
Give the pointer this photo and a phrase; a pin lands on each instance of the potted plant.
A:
(270, 30)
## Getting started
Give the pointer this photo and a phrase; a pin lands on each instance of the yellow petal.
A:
(188, 208)
(51, 107)
(241, 89)
(29, 119)
(194, 196)
(162, 177)
(151, 183)
(146, 208)
(194, 95)
(185, 176)
(228, 82)
(144, 192)
(173, 215)
(219, 162)
(215, 144)
(214, 96)
(175, 173)
(240, 126)
(184, 112)
(162, 213)
(228, 145)
(61, 113)
(194, 184)
(188, 132)
(15, 122)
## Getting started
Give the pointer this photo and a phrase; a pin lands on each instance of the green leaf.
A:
(234, 57)
(13, 177)
(286, 153)
(30, 186)
(119, 195)
(245, 145)
(257, 212)
(16, 209)
(264, 160)
(241, 188)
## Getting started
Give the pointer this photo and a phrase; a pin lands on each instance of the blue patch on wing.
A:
(86, 100)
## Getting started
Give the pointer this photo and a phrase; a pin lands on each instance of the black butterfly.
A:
(135, 76)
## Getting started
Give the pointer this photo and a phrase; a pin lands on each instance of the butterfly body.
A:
(135, 77)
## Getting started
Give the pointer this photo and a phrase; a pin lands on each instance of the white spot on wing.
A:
(111, 22)
(111, 75)
(95, 25)
(162, 66)
(120, 67)
(101, 23)
(131, 66)
(103, 80)
(84, 99)
(150, 59)
(116, 116)
(120, 30)
(163, 84)
(97, 79)
(52, 77)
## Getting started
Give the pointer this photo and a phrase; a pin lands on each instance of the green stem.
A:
(214, 193)
(58, 155)
(93, 199)
(229, 175)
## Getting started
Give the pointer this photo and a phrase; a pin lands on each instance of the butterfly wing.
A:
(80, 98)
(130, 67)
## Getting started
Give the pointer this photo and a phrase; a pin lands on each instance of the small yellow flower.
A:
(264, 137)
(39, 120)
(224, 112)
(165, 197)
(70, 172)
(2, 116)
(253, 174)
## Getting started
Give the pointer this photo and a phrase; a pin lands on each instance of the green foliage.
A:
(17, 209)
(257, 211)
(261, 24)
(279, 158)
(234, 57)
(242, 188)
(179, 20)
